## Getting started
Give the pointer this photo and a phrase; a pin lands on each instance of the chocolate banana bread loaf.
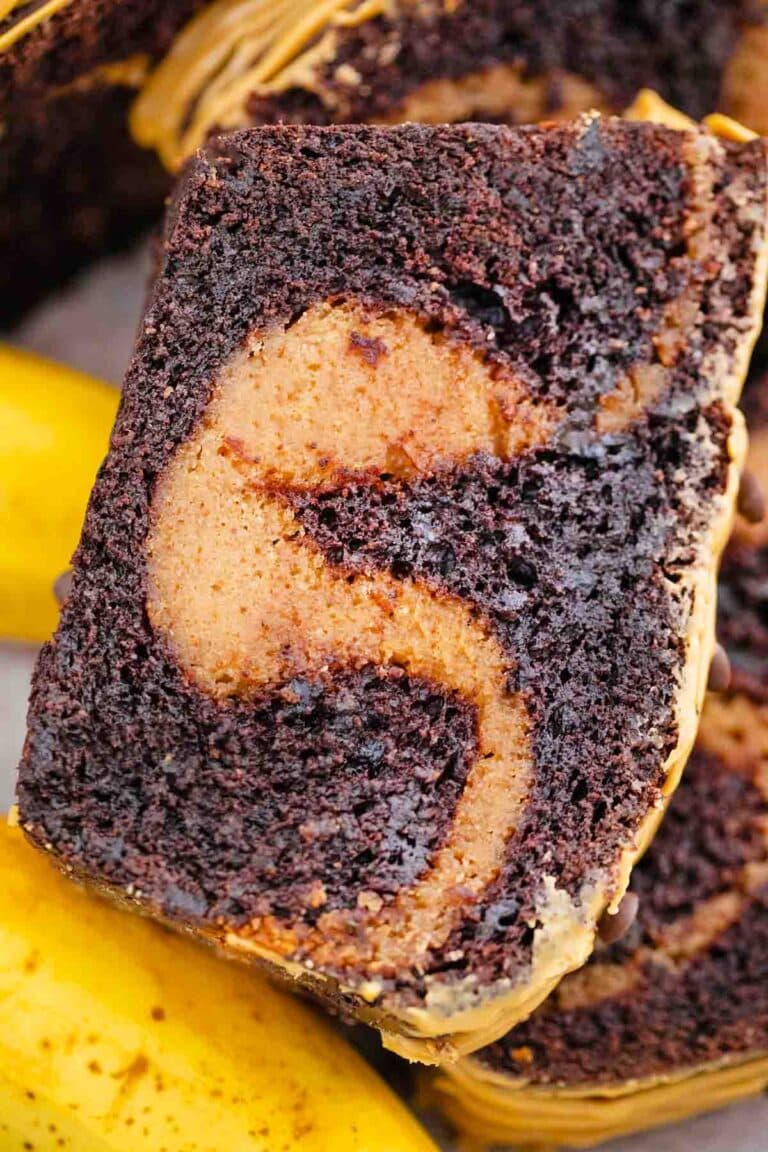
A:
(73, 182)
(672, 1020)
(394, 603)
(439, 61)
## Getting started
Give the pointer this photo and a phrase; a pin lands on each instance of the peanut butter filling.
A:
(680, 943)
(502, 92)
(639, 390)
(246, 602)
(735, 727)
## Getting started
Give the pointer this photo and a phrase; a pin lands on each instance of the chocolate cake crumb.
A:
(549, 261)
(693, 970)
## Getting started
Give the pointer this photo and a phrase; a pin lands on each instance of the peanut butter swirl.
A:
(226, 550)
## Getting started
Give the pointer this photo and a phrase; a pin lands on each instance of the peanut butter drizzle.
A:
(494, 1110)
(128, 73)
(28, 22)
(649, 106)
(247, 602)
(230, 50)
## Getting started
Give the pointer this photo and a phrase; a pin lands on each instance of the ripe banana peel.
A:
(117, 1035)
(54, 430)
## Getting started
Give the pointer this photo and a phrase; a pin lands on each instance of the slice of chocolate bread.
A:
(673, 1020)
(241, 62)
(73, 182)
(394, 604)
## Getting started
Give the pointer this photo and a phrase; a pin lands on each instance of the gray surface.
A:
(92, 327)
(15, 670)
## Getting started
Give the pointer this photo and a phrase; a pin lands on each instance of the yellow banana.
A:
(54, 429)
(116, 1036)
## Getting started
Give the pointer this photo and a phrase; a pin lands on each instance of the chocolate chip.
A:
(719, 671)
(751, 501)
(63, 586)
(613, 926)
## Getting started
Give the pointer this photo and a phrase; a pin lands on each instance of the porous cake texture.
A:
(393, 608)
(75, 179)
(673, 1020)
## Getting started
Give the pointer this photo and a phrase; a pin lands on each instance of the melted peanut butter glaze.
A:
(649, 106)
(28, 22)
(734, 729)
(128, 73)
(246, 602)
(230, 50)
(534, 1119)
(495, 1107)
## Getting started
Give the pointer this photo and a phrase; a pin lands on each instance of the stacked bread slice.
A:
(394, 606)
